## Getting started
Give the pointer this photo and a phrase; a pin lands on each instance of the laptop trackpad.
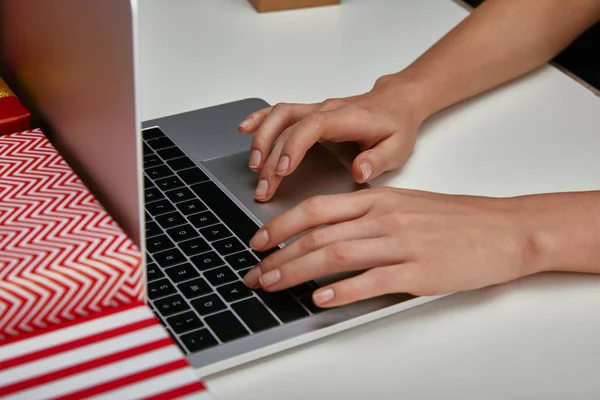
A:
(319, 173)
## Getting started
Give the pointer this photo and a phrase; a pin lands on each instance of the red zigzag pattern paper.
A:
(61, 254)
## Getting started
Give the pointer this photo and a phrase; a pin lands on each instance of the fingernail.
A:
(252, 277)
(245, 123)
(366, 170)
(260, 239)
(282, 165)
(261, 189)
(323, 296)
(255, 159)
(270, 278)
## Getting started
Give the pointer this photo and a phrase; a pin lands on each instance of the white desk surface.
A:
(536, 338)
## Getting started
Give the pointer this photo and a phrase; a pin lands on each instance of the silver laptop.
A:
(179, 185)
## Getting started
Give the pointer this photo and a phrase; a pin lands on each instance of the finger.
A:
(339, 257)
(361, 228)
(387, 155)
(251, 123)
(399, 278)
(280, 117)
(343, 124)
(268, 181)
(313, 212)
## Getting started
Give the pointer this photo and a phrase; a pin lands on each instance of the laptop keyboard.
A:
(196, 239)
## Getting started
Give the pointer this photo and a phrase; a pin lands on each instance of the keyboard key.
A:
(147, 150)
(159, 207)
(194, 246)
(226, 326)
(194, 288)
(170, 305)
(170, 153)
(153, 272)
(148, 216)
(170, 220)
(152, 229)
(152, 161)
(203, 219)
(215, 232)
(227, 210)
(185, 322)
(308, 303)
(228, 246)
(283, 305)
(234, 291)
(264, 254)
(152, 133)
(152, 194)
(171, 182)
(183, 232)
(159, 172)
(242, 273)
(207, 261)
(304, 289)
(208, 304)
(241, 260)
(160, 288)
(254, 315)
(198, 340)
(179, 195)
(183, 272)
(158, 243)
(192, 175)
(169, 257)
(148, 182)
(191, 207)
(160, 143)
(180, 163)
(220, 276)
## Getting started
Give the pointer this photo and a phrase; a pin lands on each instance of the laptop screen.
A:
(74, 60)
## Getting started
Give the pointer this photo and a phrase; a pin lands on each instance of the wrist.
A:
(560, 232)
(404, 90)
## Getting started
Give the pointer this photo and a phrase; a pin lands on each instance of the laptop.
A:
(178, 185)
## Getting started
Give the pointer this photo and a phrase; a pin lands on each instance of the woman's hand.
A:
(384, 122)
(405, 241)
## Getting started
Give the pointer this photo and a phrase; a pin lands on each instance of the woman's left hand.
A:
(405, 241)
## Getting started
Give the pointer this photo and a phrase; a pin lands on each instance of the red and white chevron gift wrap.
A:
(61, 254)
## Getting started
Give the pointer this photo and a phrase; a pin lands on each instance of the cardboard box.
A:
(278, 5)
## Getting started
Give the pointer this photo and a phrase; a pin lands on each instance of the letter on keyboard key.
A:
(228, 246)
(170, 220)
(255, 315)
(234, 291)
(194, 288)
(283, 305)
(203, 219)
(215, 232)
(194, 246)
(220, 276)
(226, 326)
(198, 340)
(207, 261)
(183, 272)
(159, 207)
(168, 257)
(208, 304)
(160, 288)
(241, 260)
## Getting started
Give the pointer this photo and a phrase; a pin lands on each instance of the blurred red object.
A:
(14, 117)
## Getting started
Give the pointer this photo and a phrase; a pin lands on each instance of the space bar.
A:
(227, 210)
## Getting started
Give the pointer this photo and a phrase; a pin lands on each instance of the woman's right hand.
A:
(384, 122)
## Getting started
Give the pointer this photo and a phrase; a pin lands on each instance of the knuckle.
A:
(313, 206)
(315, 119)
(281, 107)
(382, 280)
(314, 239)
(338, 253)
(332, 103)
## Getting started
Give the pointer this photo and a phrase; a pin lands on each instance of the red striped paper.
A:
(121, 354)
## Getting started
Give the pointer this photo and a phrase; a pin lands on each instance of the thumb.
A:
(387, 155)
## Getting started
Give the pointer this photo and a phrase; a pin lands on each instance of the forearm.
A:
(500, 41)
(561, 231)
